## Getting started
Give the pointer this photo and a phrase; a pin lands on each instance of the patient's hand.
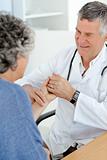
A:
(49, 96)
(35, 94)
(37, 109)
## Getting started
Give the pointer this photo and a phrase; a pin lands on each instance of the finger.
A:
(45, 83)
(54, 82)
(32, 100)
(43, 87)
(39, 100)
(52, 86)
(40, 94)
(39, 97)
(51, 90)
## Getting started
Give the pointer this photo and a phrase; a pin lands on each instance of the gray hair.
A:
(95, 10)
(16, 38)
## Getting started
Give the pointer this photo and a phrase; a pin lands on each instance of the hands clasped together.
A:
(54, 86)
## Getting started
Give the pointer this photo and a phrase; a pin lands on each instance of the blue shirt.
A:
(19, 136)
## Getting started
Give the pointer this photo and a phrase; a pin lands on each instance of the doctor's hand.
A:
(36, 95)
(60, 87)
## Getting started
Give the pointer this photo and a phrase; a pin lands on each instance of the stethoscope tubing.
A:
(71, 62)
(70, 66)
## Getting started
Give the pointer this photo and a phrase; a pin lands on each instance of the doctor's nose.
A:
(81, 38)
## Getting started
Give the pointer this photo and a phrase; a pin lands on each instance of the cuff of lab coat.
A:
(83, 109)
(88, 111)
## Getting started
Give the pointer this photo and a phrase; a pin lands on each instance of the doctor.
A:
(77, 76)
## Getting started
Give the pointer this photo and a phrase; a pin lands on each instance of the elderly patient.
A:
(19, 136)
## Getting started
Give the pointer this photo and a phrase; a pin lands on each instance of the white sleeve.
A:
(90, 112)
(36, 77)
(41, 73)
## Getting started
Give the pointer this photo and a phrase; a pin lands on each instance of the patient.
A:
(19, 136)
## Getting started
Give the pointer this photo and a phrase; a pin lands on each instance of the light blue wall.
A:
(6, 5)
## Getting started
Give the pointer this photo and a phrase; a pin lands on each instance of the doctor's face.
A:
(89, 39)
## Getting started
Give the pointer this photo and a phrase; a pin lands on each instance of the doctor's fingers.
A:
(61, 83)
(51, 90)
(56, 91)
(55, 87)
(53, 82)
(52, 85)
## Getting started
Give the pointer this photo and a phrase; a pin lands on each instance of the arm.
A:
(91, 112)
(20, 138)
(35, 94)
(32, 82)
(40, 74)
(60, 87)
(37, 109)
(88, 110)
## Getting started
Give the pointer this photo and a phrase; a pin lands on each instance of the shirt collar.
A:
(100, 57)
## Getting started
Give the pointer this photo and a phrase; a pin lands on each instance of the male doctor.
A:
(77, 77)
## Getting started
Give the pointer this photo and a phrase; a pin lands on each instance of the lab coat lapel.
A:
(75, 76)
(97, 65)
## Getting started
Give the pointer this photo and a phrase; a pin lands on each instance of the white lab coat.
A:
(88, 119)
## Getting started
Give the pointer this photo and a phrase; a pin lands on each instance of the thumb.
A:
(45, 82)
(44, 86)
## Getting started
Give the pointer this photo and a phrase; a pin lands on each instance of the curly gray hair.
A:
(16, 38)
(95, 10)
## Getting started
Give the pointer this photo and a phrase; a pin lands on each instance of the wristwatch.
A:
(75, 97)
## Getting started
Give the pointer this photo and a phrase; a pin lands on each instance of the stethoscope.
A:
(71, 62)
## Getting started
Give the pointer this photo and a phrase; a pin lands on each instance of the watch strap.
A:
(75, 97)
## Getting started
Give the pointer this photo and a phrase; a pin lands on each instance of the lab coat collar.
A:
(102, 56)
(100, 60)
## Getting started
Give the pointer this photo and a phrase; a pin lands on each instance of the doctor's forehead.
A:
(88, 27)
